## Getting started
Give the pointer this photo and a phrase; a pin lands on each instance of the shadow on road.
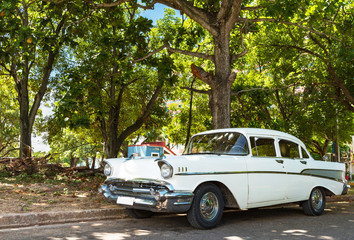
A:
(268, 223)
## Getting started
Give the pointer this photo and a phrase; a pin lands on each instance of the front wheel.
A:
(316, 204)
(207, 207)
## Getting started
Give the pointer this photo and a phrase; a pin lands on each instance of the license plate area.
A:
(125, 200)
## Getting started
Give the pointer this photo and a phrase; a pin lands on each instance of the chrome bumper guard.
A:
(146, 194)
(345, 188)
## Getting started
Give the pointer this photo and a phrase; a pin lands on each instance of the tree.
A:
(219, 20)
(319, 51)
(115, 81)
(291, 90)
(325, 36)
(33, 33)
(223, 19)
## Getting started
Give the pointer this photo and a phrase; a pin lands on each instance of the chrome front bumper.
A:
(146, 194)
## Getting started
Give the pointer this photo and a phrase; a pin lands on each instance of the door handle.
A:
(303, 162)
(280, 161)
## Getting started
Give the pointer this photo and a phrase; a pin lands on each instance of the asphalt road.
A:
(271, 223)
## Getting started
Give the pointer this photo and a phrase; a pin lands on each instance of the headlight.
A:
(107, 170)
(165, 169)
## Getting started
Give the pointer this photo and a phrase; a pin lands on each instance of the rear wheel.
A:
(207, 207)
(316, 204)
(136, 213)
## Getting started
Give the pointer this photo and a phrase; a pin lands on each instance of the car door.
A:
(266, 174)
(294, 164)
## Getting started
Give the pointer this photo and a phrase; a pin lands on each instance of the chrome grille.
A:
(133, 188)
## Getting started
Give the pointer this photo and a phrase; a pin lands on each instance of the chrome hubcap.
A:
(209, 206)
(317, 199)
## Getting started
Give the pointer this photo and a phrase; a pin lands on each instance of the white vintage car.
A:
(228, 168)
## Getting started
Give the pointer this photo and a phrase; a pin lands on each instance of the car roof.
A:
(253, 131)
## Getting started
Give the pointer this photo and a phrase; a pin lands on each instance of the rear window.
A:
(289, 149)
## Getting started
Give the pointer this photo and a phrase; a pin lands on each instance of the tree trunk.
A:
(112, 147)
(220, 93)
(25, 125)
(93, 162)
(220, 106)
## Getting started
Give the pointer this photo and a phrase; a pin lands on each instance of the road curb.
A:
(31, 219)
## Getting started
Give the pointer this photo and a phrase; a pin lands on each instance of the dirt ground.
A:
(46, 197)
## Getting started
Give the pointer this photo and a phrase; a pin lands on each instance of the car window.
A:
(304, 153)
(263, 147)
(289, 149)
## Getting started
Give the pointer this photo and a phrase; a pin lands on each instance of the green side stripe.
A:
(322, 173)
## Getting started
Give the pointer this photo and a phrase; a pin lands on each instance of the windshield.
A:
(218, 143)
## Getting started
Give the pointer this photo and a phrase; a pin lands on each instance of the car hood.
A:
(147, 167)
(141, 167)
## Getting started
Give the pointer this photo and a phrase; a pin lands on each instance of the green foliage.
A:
(296, 74)
(108, 86)
(9, 118)
(68, 146)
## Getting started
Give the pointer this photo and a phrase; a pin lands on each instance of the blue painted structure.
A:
(145, 150)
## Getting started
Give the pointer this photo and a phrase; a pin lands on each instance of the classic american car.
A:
(239, 168)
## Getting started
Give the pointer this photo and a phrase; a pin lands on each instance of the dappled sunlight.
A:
(124, 234)
(233, 238)
(326, 238)
(111, 236)
(97, 224)
(141, 232)
(297, 232)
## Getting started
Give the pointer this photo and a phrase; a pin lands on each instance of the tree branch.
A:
(197, 14)
(236, 93)
(142, 119)
(189, 53)
(244, 52)
(234, 15)
(224, 10)
(196, 90)
(251, 8)
(150, 54)
(45, 79)
(202, 74)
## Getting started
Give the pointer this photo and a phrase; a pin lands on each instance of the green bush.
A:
(5, 174)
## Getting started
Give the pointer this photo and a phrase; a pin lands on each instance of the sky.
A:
(37, 141)
(156, 13)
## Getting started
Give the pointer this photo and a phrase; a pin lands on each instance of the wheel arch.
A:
(228, 197)
(327, 191)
